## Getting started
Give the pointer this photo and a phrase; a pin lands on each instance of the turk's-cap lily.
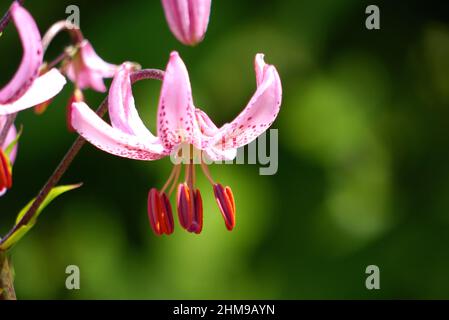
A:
(180, 124)
(187, 19)
(86, 69)
(27, 88)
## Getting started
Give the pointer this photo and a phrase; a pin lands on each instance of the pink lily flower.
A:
(187, 19)
(27, 89)
(6, 161)
(180, 124)
(87, 69)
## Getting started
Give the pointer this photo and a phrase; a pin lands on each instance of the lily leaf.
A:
(20, 232)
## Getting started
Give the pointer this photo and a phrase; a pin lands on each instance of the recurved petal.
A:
(114, 141)
(205, 124)
(43, 88)
(94, 62)
(260, 112)
(122, 109)
(175, 117)
(32, 55)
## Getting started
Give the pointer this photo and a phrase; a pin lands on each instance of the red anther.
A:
(160, 213)
(196, 224)
(5, 172)
(183, 205)
(167, 214)
(190, 208)
(41, 108)
(226, 203)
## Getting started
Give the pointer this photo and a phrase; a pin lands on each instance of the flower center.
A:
(188, 198)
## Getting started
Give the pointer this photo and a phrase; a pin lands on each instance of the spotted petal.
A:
(32, 55)
(122, 109)
(258, 115)
(112, 140)
(175, 117)
(43, 88)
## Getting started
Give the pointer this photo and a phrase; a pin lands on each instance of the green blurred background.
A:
(363, 158)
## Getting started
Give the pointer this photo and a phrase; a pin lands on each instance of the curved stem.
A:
(64, 55)
(56, 28)
(7, 18)
(71, 154)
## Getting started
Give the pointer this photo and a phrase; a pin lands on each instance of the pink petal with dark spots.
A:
(176, 112)
(43, 88)
(258, 115)
(31, 59)
(114, 141)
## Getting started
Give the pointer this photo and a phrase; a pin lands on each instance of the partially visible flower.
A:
(187, 19)
(7, 160)
(27, 89)
(180, 127)
(87, 70)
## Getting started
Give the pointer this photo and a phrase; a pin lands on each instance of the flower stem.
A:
(7, 18)
(56, 28)
(7, 291)
(52, 64)
(71, 154)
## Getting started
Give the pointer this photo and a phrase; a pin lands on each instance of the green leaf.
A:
(20, 232)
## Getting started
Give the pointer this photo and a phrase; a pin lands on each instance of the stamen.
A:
(168, 214)
(5, 172)
(197, 223)
(226, 203)
(160, 213)
(175, 180)
(190, 208)
(174, 172)
(207, 173)
(183, 205)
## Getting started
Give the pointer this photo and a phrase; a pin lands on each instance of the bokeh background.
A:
(363, 158)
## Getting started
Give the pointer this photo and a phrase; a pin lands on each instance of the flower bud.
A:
(187, 19)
